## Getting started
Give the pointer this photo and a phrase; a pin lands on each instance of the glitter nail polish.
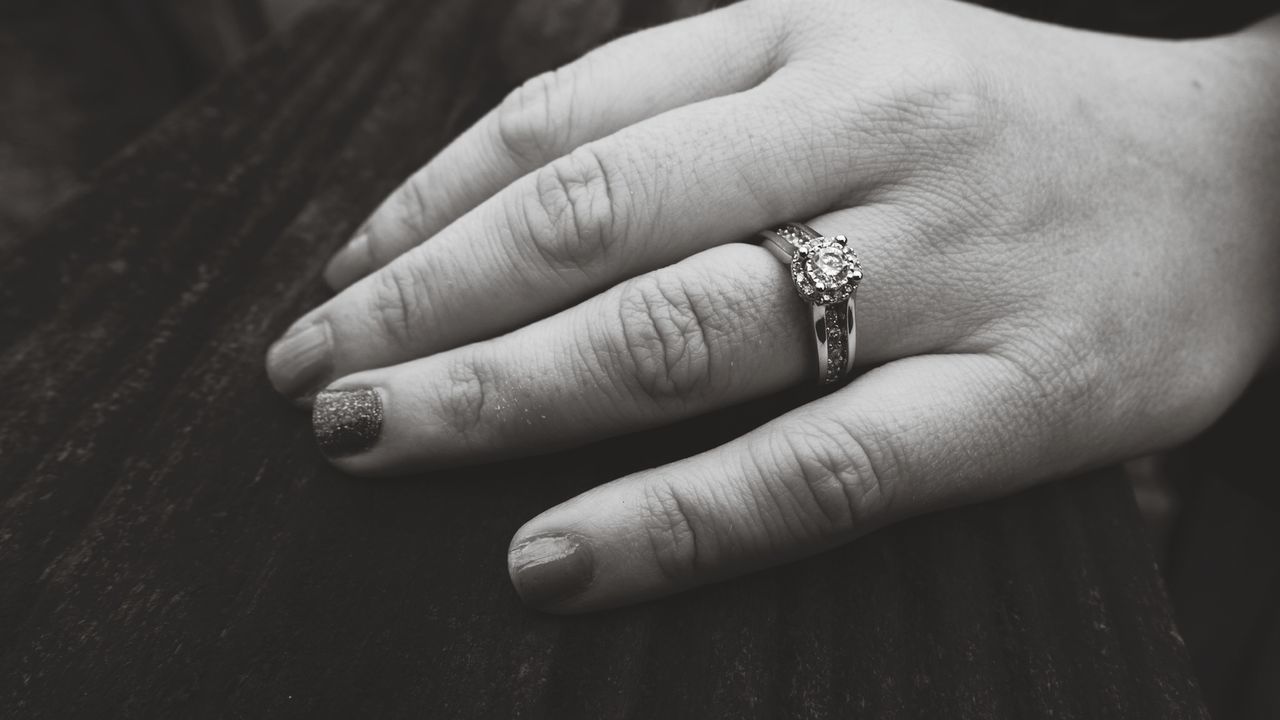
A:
(347, 422)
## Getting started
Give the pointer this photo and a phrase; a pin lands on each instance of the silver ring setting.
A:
(825, 272)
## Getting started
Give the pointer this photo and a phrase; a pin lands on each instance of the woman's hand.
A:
(1070, 240)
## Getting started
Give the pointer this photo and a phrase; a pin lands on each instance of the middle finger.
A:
(643, 198)
(719, 328)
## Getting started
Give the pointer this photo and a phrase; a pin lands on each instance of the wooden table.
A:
(172, 544)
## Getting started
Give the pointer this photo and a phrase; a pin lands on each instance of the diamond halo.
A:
(825, 270)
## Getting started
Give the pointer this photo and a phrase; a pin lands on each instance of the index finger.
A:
(617, 85)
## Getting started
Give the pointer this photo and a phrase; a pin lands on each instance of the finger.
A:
(718, 328)
(643, 198)
(612, 87)
(915, 435)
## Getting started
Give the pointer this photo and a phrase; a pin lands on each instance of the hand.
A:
(1070, 247)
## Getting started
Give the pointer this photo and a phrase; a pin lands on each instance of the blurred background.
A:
(80, 79)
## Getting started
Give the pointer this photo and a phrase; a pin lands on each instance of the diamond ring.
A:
(826, 273)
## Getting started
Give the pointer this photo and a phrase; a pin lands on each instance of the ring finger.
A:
(640, 199)
(719, 328)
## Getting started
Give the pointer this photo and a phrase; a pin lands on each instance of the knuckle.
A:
(667, 335)
(397, 304)
(573, 215)
(1065, 371)
(462, 401)
(407, 214)
(1074, 354)
(941, 101)
(529, 125)
(676, 538)
(825, 482)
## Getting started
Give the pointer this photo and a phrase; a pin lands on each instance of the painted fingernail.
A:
(347, 422)
(350, 263)
(548, 569)
(301, 360)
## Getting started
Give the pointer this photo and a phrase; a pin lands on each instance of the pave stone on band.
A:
(826, 273)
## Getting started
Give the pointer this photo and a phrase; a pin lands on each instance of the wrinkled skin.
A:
(1071, 247)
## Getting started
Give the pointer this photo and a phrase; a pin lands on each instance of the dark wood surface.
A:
(172, 545)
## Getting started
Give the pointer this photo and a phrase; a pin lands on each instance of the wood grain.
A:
(172, 545)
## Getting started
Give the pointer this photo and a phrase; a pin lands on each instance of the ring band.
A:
(825, 272)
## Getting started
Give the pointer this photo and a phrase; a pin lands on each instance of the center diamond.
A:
(829, 261)
(825, 270)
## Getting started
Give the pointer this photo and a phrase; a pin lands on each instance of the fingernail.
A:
(347, 422)
(350, 263)
(299, 361)
(548, 569)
